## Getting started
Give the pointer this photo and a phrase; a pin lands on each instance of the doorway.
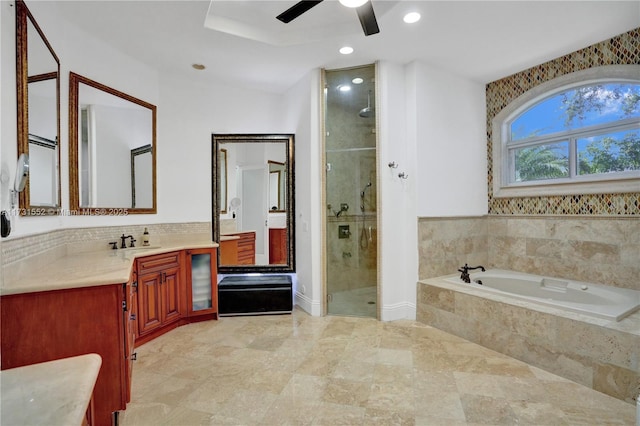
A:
(350, 192)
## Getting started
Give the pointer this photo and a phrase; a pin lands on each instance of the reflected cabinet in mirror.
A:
(112, 150)
(38, 105)
(253, 202)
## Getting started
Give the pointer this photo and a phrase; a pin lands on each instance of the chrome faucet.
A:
(465, 272)
(123, 240)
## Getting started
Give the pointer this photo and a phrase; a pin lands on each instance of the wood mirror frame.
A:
(75, 82)
(225, 141)
(26, 132)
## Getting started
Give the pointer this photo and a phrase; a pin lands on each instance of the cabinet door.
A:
(247, 248)
(229, 252)
(149, 302)
(202, 281)
(277, 246)
(171, 295)
(131, 328)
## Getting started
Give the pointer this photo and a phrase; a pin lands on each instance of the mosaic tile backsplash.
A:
(75, 240)
(622, 49)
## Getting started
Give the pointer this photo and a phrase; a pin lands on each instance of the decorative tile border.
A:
(622, 49)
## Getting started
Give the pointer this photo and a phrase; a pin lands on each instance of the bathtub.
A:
(606, 302)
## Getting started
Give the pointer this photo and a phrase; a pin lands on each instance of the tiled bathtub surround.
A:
(46, 247)
(445, 244)
(603, 250)
(597, 353)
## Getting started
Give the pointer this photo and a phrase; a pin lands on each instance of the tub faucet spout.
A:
(465, 272)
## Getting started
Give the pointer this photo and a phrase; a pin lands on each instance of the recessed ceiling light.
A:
(357, 80)
(198, 67)
(344, 87)
(411, 17)
(346, 50)
(353, 3)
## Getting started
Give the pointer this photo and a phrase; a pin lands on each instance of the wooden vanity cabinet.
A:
(48, 325)
(247, 248)
(277, 246)
(160, 291)
(131, 325)
(229, 252)
(241, 251)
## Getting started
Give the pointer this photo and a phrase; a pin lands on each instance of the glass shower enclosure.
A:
(350, 192)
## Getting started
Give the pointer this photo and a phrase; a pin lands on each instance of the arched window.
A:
(576, 134)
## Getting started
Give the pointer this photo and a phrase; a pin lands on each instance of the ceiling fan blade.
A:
(296, 10)
(368, 19)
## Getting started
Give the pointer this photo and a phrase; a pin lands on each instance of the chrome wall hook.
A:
(393, 165)
(403, 175)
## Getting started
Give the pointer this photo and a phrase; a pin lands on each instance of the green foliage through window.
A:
(588, 130)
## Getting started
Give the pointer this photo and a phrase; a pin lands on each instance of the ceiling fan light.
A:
(352, 3)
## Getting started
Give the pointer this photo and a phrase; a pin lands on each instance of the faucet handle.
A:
(132, 241)
(114, 245)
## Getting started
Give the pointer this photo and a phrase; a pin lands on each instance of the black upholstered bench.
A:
(254, 295)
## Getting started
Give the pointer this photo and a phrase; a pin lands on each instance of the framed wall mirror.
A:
(277, 187)
(38, 106)
(112, 150)
(252, 174)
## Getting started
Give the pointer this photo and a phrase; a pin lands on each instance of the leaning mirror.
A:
(253, 202)
(112, 150)
(38, 103)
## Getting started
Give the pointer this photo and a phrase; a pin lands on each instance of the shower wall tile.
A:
(352, 260)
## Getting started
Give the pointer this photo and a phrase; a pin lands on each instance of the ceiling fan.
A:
(364, 10)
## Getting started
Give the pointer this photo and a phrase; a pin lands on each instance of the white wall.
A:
(83, 54)
(397, 234)
(451, 144)
(187, 114)
(302, 116)
(431, 123)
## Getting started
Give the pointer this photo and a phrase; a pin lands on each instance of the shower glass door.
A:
(350, 192)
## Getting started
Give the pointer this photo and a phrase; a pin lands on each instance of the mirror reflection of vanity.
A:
(253, 200)
(38, 106)
(112, 143)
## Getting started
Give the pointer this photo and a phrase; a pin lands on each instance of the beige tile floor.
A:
(302, 370)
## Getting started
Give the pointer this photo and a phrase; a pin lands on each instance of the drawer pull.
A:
(132, 317)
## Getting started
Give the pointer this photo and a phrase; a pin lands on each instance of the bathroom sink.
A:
(141, 248)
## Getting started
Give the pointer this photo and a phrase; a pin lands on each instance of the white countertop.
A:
(50, 393)
(225, 234)
(87, 269)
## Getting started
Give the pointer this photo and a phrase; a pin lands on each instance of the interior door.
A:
(255, 209)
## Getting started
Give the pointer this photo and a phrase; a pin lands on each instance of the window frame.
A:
(503, 157)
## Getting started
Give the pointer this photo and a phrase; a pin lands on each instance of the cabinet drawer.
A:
(158, 262)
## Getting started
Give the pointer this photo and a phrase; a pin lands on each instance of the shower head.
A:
(368, 111)
(365, 187)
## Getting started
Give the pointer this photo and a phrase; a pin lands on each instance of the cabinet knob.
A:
(132, 317)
